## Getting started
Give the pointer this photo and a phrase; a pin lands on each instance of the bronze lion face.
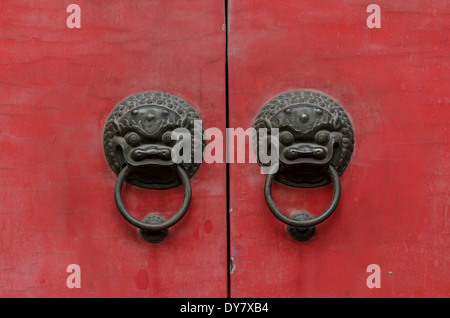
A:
(313, 132)
(138, 133)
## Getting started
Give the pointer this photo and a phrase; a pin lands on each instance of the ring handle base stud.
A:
(301, 233)
(154, 236)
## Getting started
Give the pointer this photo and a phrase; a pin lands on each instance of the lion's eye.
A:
(133, 139)
(322, 137)
(167, 138)
(286, 138)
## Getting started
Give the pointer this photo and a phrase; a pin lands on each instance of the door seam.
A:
(227, 161)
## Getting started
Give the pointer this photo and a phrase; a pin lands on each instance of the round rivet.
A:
(304, 118)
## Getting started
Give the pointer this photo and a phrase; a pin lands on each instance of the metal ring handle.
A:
(159, 226)
(304, 223)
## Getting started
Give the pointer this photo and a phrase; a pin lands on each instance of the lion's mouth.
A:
(151, 152)
(305, 151)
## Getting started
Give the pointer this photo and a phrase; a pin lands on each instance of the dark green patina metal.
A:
(138, 146)
(316, 142)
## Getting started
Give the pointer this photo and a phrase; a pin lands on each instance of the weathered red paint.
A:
(57, 88)
(393, 82)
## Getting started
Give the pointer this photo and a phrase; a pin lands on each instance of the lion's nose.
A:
(151, 152)
(302, 151)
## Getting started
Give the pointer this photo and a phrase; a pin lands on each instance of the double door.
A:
(65, 67)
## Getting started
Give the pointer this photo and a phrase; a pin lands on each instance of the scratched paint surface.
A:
(57, 88)
(394, 84)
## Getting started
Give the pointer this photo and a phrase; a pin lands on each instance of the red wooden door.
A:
(393, 83)
(58, 84)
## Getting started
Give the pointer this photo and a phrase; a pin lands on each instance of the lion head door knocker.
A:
(315, 140)
(139, 142)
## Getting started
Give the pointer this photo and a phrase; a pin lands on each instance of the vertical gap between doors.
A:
(227, 164)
